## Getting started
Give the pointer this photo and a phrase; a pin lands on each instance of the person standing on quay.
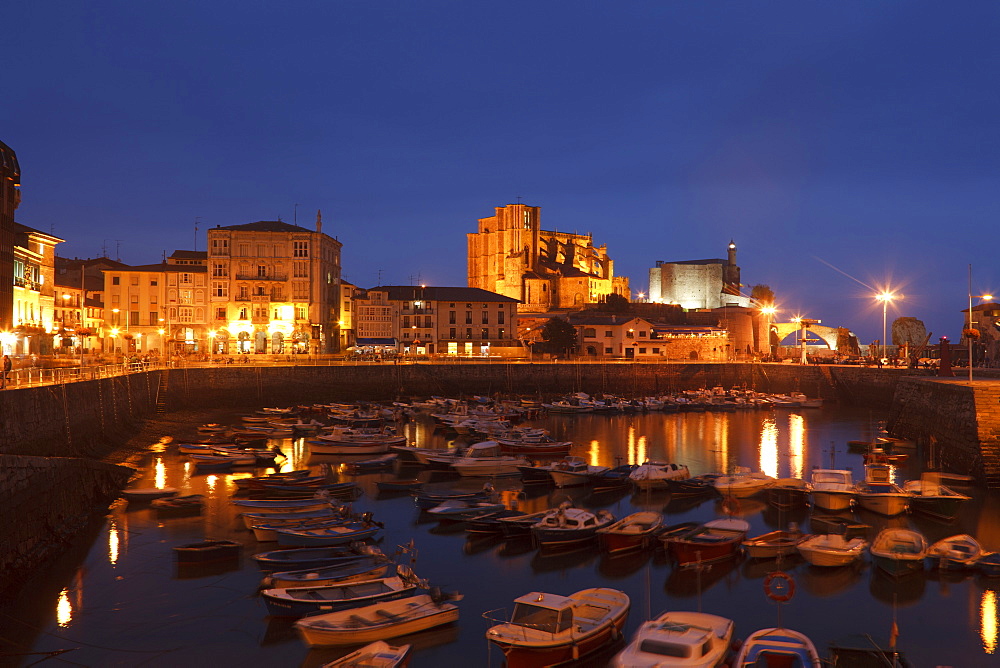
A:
(7, 364)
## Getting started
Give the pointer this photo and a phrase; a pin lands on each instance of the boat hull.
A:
(833, 501)
(317, 631)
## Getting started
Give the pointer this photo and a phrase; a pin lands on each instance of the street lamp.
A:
(885, 297)
(211, 345)
(970, 332)
(769, 311)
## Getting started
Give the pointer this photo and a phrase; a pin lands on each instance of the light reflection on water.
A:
(218, 616)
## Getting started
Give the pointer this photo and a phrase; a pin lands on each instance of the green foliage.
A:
(558, 336)
(762, 294)
(615, 303)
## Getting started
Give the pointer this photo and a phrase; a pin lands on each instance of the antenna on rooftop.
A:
(380, 277)
(295, 214)
(118, 250)
(197, 222)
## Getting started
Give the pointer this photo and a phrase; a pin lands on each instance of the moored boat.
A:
(386, 619)
(832, 489)
(573, 471)
(679, 639)
(716, 540)
(311, 600)
(633, 532)
(657, 475)
(788, 493)
(899, 551)
(879, 494)
(549, 629)
(360, 568)
(743, 484)
(147, 494)
(932, 498)
(207, 551)
(778, 647)
(329, 536)
(773, 544)
(567, 527)
(954, 553)
(378, 654)
(313, 557)
(831, 549)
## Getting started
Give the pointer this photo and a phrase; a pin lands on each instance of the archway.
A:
(243, 343)
(260, 342)
(277, 343)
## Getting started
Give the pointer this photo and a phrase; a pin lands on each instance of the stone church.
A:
(512, 256)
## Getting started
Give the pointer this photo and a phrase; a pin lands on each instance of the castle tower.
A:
(731, 272)
(10, 197)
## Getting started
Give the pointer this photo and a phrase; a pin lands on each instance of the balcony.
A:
(255, 277)
(260, 298)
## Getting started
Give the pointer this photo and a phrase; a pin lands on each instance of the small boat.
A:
(932, 498)
(312, 557)
(147, 494)
(899, 551)
(519, 526)
(329, 536)
(657, 475)
(462, 509)
(251, 520)
(386, 619)
(567, 527)
(879, 456)
(301, 601)
(954, 553)
(398, 485)
(616, 478)
(773, 544)
(847, 526)
(633, 532)
(680, 639)
(548, 629)
(699, 485)
(378, 654)
(743, 484)
(573, 471)
(831, 549)
(279, 505)
(427, 499)
(879, 494)
(364, 568)
(207, 551)
(716, 540)
(832, 489)
(777, 647)
(378, 463)
(989, 564)
(178, 506)
(788, 493)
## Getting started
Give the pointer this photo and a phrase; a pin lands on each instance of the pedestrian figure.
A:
(7, 365)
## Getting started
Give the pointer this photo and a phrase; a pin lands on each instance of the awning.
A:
(375, 342)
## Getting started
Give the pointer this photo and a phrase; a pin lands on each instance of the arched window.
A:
(693, 354)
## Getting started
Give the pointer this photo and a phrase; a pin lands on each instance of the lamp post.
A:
(211, 345)
(885, 297)
(768, 311)
(969, 332)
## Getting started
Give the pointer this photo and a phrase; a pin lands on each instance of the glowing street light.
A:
(769, 310)
(211, 345)
(885, 297)
(970, 333)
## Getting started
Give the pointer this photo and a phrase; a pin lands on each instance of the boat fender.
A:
(779, 586)
(731, 505)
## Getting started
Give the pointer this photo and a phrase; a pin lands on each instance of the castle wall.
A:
(691, 285)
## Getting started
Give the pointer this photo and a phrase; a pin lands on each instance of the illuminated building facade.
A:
(698, 284)
(274, 288)
(34, 290)
(424, 320)
(10, 197)
(511, 255)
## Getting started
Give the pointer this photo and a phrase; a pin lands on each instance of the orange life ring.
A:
(731, 505)
(779, 586)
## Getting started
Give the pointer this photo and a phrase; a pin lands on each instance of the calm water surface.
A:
(122, 602)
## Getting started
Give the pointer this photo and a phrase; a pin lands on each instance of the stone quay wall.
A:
(45, 502)
(958, 423)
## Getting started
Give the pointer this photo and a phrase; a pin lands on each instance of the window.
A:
(608, 334)
(607, 351)
(589, 333)
(451, 317)
(154, 317)
(452, 333)
(300, 312)
(153, 298)
(642, 334)
(261, 271)
(243, 313)
(486, 317)
(642, 351)
(656, 351)
(300, 248)
(220, 313)
(153, 282)
(630, 334)
(134, 280)
(300, 269)
(220, 289)
(468, 317)
(185, 313)
(468, 332)
(406, 321)
(218, 269)
(300, 291)
(116, 299)
(220, 246)
(133, 317)
(243, 293)
(187, 278)
(427, 322)
(133, 299)
(244, 250)
(485, 334)
(500, 333)
(500, 316)
(116, 280)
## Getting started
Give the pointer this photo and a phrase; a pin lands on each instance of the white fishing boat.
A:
(484, 459)
(379, 621)
(832, 489)
(879, 494)
(743, 483)
(566, 527)
(573, 471)
(378, 654)
(831, 549)
(676, 640)
(778, 647)
(548, 629)
(657, 475)
(954, 553)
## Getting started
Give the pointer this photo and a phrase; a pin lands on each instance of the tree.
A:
(615, 303)
(762, 294)
(558, 336)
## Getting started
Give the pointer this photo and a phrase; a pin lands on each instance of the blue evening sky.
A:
(840, 144)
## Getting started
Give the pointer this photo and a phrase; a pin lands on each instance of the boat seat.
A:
(388, 615)
(361, 621)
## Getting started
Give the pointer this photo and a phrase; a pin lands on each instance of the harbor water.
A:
(121, 600)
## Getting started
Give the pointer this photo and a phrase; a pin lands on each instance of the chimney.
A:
(319, 221)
